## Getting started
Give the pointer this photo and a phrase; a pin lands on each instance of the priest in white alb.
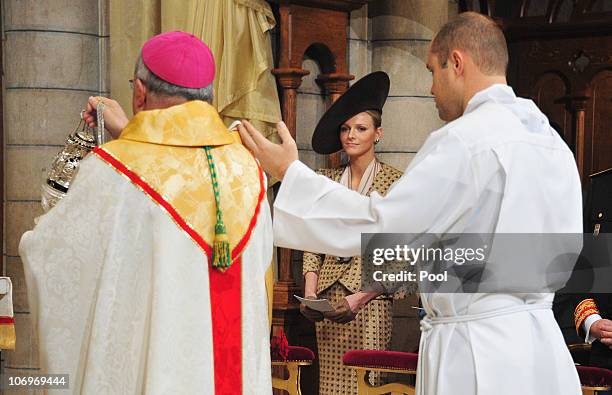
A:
(148, 277)
(496, 167)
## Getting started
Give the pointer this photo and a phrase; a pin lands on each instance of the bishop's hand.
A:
(274, 158)
(114, 116)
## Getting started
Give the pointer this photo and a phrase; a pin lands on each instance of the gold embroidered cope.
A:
(164, 148)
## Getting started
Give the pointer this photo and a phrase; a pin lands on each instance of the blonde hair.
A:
(376, 117)
(477, 35)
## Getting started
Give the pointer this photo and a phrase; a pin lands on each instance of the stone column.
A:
(394, 36)
(55, 56)
(401, 34)
(311, 104)
(335, 85)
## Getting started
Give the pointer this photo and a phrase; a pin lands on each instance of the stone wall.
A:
(55, 56)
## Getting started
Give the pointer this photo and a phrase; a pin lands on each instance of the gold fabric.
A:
(164, 148)
(192, 124)
(131, 23)
(584, 309)
(371, 329)
(237, 32)
(8, 337)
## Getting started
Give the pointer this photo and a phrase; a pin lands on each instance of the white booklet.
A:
(321, 305)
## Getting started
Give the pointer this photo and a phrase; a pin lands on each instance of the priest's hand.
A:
(309, 313)
(114, 116)
(274, 158)
(602, 330)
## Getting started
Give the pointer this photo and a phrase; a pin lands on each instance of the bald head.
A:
(477, 35)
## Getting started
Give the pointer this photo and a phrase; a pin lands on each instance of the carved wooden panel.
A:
(548, 93)
(561, 57)
(549, 11)
(324, 28)
(318, 29)
(600, 123)
(547, 68)
(1, 148)
(340, 5)
(602, 6)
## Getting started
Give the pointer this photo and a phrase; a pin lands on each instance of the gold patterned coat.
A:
(371, 329)
(328, 267)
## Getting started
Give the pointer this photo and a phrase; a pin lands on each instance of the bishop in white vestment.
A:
(122, 272)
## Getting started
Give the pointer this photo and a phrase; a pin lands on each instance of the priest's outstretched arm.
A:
(313, 213)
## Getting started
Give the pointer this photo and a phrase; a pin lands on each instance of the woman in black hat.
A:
(352, 123)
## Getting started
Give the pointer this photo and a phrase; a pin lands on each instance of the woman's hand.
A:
(309, 313)
(346, 310)
(342, 313)
(357, 300)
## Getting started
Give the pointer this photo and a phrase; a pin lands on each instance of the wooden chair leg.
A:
(365, 388)
(293, 379)
(594, 390)
(292, 383)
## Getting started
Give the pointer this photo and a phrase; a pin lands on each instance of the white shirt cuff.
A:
(590, 320)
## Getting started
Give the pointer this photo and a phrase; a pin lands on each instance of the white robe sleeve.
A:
(435, 195)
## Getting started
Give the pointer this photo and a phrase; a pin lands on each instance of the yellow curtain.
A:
(131, 23)
(237, 32)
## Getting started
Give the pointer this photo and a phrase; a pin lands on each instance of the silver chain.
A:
(100, 129)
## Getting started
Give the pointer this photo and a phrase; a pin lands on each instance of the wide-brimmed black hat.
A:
(369, 93)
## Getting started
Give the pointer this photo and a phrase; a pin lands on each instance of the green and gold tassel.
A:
(222, 255)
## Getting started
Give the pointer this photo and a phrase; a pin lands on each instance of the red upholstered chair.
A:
(594, 379)
(292, 358)
(364, 361)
